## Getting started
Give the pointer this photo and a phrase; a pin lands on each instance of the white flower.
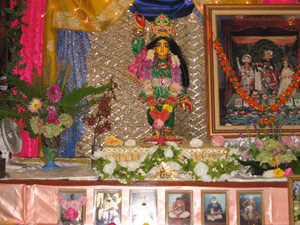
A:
(184, 176)
(224, 177)
(142, 158)
(153, 170)
(152, 149)
(99, 154)
(122, 181)
(168, 152)
(130, 143)
(186, 154)
(109, 168)
(268, 173)
(142, 172)
(235, 151)
(201, 169)
(173, 144)
(234, 173)
(150, 54)
(123, 164)
(196, 143)
(206, 178)
(132, 166)
(174, 165)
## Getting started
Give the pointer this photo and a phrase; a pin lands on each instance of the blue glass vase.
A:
(51, 149)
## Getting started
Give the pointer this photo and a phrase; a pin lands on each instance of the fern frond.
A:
(11, 113)
(23, 86)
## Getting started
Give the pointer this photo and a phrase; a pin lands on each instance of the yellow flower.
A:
(168, 107)
(146, 224)
(278, 172)
(35, 105)
(152, 107)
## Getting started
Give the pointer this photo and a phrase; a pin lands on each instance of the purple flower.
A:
(245, 154)
(54, 93)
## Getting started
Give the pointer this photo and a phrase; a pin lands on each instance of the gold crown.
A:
(161, 27)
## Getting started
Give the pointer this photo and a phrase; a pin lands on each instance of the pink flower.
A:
(54, 93)
(259, 144)
(71, 214)
(112, 223)
(52, 117)
(75, 205)
(218, 141)
(287, 172)
(158, 124)
(161, 141)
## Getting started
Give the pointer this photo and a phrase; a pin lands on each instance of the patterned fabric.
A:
(73, 47)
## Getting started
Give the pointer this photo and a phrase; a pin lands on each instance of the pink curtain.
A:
(32, 52)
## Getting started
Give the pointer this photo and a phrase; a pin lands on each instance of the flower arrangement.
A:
(161, 158)
(72, 207)
(269, 149)
(45, 108)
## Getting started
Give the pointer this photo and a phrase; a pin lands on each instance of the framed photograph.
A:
(143, 207)
(261, 43)
(179, 207)
(297, 102)
(71, 206)
(107, 207)
(214, 205)
(238, 102)
(294, 198)
(250, 207)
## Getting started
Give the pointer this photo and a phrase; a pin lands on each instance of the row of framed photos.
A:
(143, 207)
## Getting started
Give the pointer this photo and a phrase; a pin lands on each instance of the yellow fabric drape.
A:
(80, 15)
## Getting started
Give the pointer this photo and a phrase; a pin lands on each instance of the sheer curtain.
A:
(73, 47)
(32, 41)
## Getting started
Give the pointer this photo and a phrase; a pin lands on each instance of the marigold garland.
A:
(242, 92)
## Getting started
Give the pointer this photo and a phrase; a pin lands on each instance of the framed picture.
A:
(261, 43)
(250, 208)
(71, 206)
(214, 207)
(179, 207)
(294, 198)
(107, 207)
(143, 207)
(297, 102)
(238, 102)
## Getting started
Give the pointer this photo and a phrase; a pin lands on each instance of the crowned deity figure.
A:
(246, 73)
(161, 72)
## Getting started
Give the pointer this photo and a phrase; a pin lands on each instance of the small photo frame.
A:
(179, 207)
(294, 198)
(250, 207)
(297, 102)
(290, 102)
(107, 207)
(143, 207)
(71, 206)
(215, 208)
(238, 102)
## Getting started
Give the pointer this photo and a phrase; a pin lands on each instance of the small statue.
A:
(162, 73)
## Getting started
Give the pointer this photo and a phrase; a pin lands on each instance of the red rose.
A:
(219, 50)
(244, 95)
(240, 90)
(249, 100)
(260, 108)
(287, 94)
(283, 99)
(254, 104)
(273, 107)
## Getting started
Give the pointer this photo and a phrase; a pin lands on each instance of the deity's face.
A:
(162, 49)
(285, 64)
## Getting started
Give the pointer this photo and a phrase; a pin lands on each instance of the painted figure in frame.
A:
(162, 74)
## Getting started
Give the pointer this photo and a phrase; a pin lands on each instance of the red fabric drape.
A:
(32, 52)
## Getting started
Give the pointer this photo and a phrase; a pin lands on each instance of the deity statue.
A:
(162, 74)
(286, 75)
(246, 73)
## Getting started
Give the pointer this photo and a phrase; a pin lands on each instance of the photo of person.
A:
(215, 208)
(107, 209)
(72, 206)
(179, 208)
(143, 208)
(250, 208)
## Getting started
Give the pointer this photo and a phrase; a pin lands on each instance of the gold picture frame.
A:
(250, 206)
(244, 23)
(184, 201)
(294, 198)
(107, 206)
(66, 213)
(216, 201)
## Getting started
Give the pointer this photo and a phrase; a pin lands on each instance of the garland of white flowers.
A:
(220, 169)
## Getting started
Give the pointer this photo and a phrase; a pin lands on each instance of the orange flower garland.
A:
(242, 92)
